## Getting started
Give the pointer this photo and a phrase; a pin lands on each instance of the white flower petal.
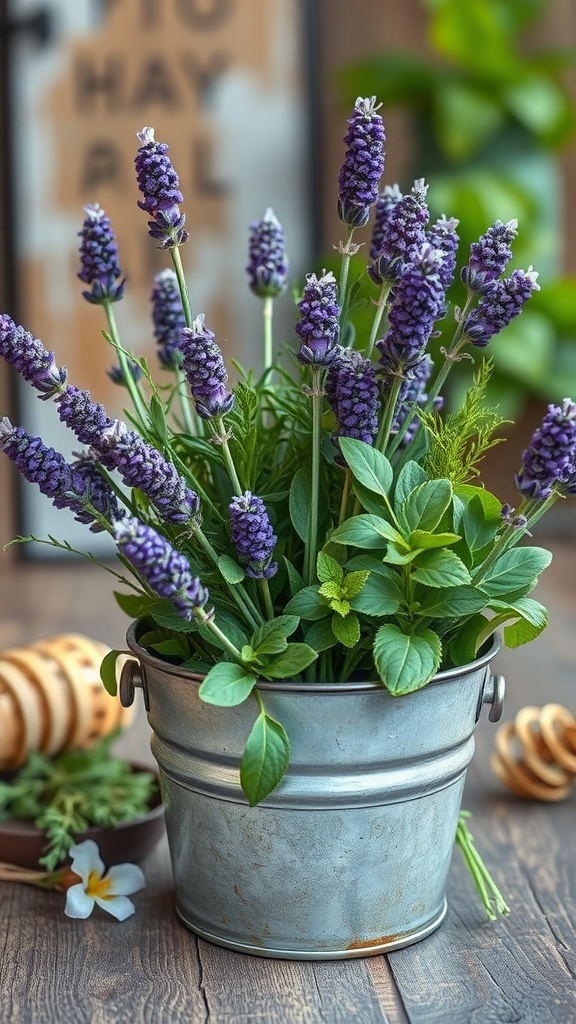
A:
(125, 879)
(119, 906)
(78, 903)
(86, 859)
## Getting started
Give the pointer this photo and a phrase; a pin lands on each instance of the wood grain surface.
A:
(151, 970)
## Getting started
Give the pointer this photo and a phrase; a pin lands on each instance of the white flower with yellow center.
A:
(109, 891)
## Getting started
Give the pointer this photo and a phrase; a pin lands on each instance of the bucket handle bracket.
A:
(493, 694)
(131, 678)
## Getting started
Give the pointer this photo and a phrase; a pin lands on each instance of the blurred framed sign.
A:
(221, 81)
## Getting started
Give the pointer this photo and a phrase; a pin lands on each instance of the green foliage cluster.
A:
(66, 795)
(491, 111)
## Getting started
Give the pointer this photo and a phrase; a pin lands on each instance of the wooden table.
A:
(151, 969)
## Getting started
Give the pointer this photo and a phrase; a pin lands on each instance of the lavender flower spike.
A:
(501, 301)
(99, 258)
(142, 466)
(68, 486)
(160, 188)
(418, 300)
(490, 255)
(206, 374)
(442, 235)
(319, 324)
(384, 205)
(363, 163)
(165, 570)
(403, 234)
(87, 419)
(267, 263)
(253, 536)
(168, 318)
(30, 358)
(352, 390)
(550, 459)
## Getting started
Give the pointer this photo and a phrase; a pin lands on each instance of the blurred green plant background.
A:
(491, 116)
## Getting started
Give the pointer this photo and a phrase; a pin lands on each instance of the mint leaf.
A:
(290, 662)
(452, 602)
(271, 637)
(308, 604)
(328, 569)
(353, 583)
(410, 476)
(227, 685)
(517, 569)
(265, 759)
(406, 661)
(367, 531)
(425, 505)
(320, 636)
(347, 629)
(440, 568)
(134, 605)
(380, 595)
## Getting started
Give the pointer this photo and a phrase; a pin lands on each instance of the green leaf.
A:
(370, 564)
(330, 590)
(308, 604)
(108, 671)
(452, 602)
(479, 524)
(328, 569)
(290, 662)
(368, 465)
(320, 636)
(521, 632)
(367, 531)
(134, 605)
(231, 571)
(227, 685)
(271, 637)
(531, 617)
(371, 502)
(340, 605)
(353, 583)
(294, 578)
(463, 646)
(440, 568)
(425, 539)
(230, 626)
(157, 418)
(425, 505)
(347, 629)
(396, 557)
(265, 759)
(165, 614)
(380, 595)
(515, 570)
(406, 661)
(410, 476)
(299, 503)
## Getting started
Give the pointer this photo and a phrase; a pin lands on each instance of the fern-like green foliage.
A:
(67, 794)
(459, 442)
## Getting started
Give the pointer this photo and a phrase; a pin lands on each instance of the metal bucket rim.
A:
(349, 686)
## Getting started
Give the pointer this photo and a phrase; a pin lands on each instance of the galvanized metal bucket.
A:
(349, 856)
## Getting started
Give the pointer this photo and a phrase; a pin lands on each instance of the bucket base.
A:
(356, 949)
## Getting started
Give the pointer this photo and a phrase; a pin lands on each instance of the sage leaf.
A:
(425, 505)
(367, 464)
(290, 662)
(406, 661)
(440, 568)
(265, 759)
(515, 570)
(108, 671)
(410, 476)
(367, 531)
(227, 685)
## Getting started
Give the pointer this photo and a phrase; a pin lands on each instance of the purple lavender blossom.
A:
(159, 185)
(117, 376)
(165, 570)
(87, 419)
(418, 299)
(351, 387)
(550, 459)
(403, 236)
(490, 255)
(96, 489)
(99, 258)
(267, 263)
(253, 536)
(363, 163)
(442, 236)
(68, 486)
(387, 200)
(168, 318)
(30, 358)
(502, 300)
(206, 374)
(143, 467)
(319, 324)
(510, 517)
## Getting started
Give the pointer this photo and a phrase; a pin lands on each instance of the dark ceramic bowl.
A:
(22, 843)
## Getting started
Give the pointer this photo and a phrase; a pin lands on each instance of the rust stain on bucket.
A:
(382, 940)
